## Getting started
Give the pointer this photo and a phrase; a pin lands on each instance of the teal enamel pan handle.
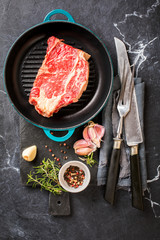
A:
(58, 11)
(59, 139)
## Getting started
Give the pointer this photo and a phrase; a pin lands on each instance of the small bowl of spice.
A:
(74, 176)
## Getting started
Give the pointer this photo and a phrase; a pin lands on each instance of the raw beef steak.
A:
(61, 79)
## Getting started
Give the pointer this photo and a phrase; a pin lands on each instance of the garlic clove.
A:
(84, 151)
(81, 144)
(91, 133)
(93, 136)
(85, 134)
(29, 153)
(100, 130)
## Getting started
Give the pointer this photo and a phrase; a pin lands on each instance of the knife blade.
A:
(132, 128)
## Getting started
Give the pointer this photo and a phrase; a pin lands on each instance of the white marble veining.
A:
(153, 204)
(138, 48)
(157, 177)
(8, 162)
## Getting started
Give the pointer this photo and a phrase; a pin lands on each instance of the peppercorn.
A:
(45, 146)
(60, 144)
(75, 176)
(50, 150)
(68, 147)
(55, 158)
(64, 152)
(53, 155)
(64, 144)
(61, 151)
(58, 159)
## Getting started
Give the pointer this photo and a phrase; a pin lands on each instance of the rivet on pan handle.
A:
(59, 139)
(58, 11)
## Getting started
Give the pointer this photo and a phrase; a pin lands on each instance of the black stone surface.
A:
(32, 135)
(23, 210)
(59, 205)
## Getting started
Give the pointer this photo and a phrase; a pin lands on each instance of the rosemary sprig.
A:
(89, 159)
(46, 175)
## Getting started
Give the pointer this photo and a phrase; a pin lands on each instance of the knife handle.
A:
(136, 184)
(113, 172)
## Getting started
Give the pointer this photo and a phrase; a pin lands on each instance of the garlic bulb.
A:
(92, 135)
(82, 147)
(29, 153)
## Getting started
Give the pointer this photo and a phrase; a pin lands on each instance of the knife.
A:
(132, 128)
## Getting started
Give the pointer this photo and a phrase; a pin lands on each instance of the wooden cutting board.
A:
(32, 135)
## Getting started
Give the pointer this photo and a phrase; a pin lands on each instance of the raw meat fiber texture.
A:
(61, 79)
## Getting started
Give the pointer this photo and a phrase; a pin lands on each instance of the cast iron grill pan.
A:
(26, 57)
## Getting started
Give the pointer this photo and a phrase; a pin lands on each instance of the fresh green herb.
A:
(46, 175)
(89, 159)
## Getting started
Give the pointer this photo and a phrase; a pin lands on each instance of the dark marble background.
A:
(24, 211)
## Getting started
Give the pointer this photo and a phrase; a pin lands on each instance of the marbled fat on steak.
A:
(61, 79)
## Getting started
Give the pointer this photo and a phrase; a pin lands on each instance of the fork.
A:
(123, 107)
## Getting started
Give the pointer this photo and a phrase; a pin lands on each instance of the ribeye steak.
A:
(61, 79)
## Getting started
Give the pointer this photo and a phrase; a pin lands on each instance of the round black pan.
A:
(25, 58)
